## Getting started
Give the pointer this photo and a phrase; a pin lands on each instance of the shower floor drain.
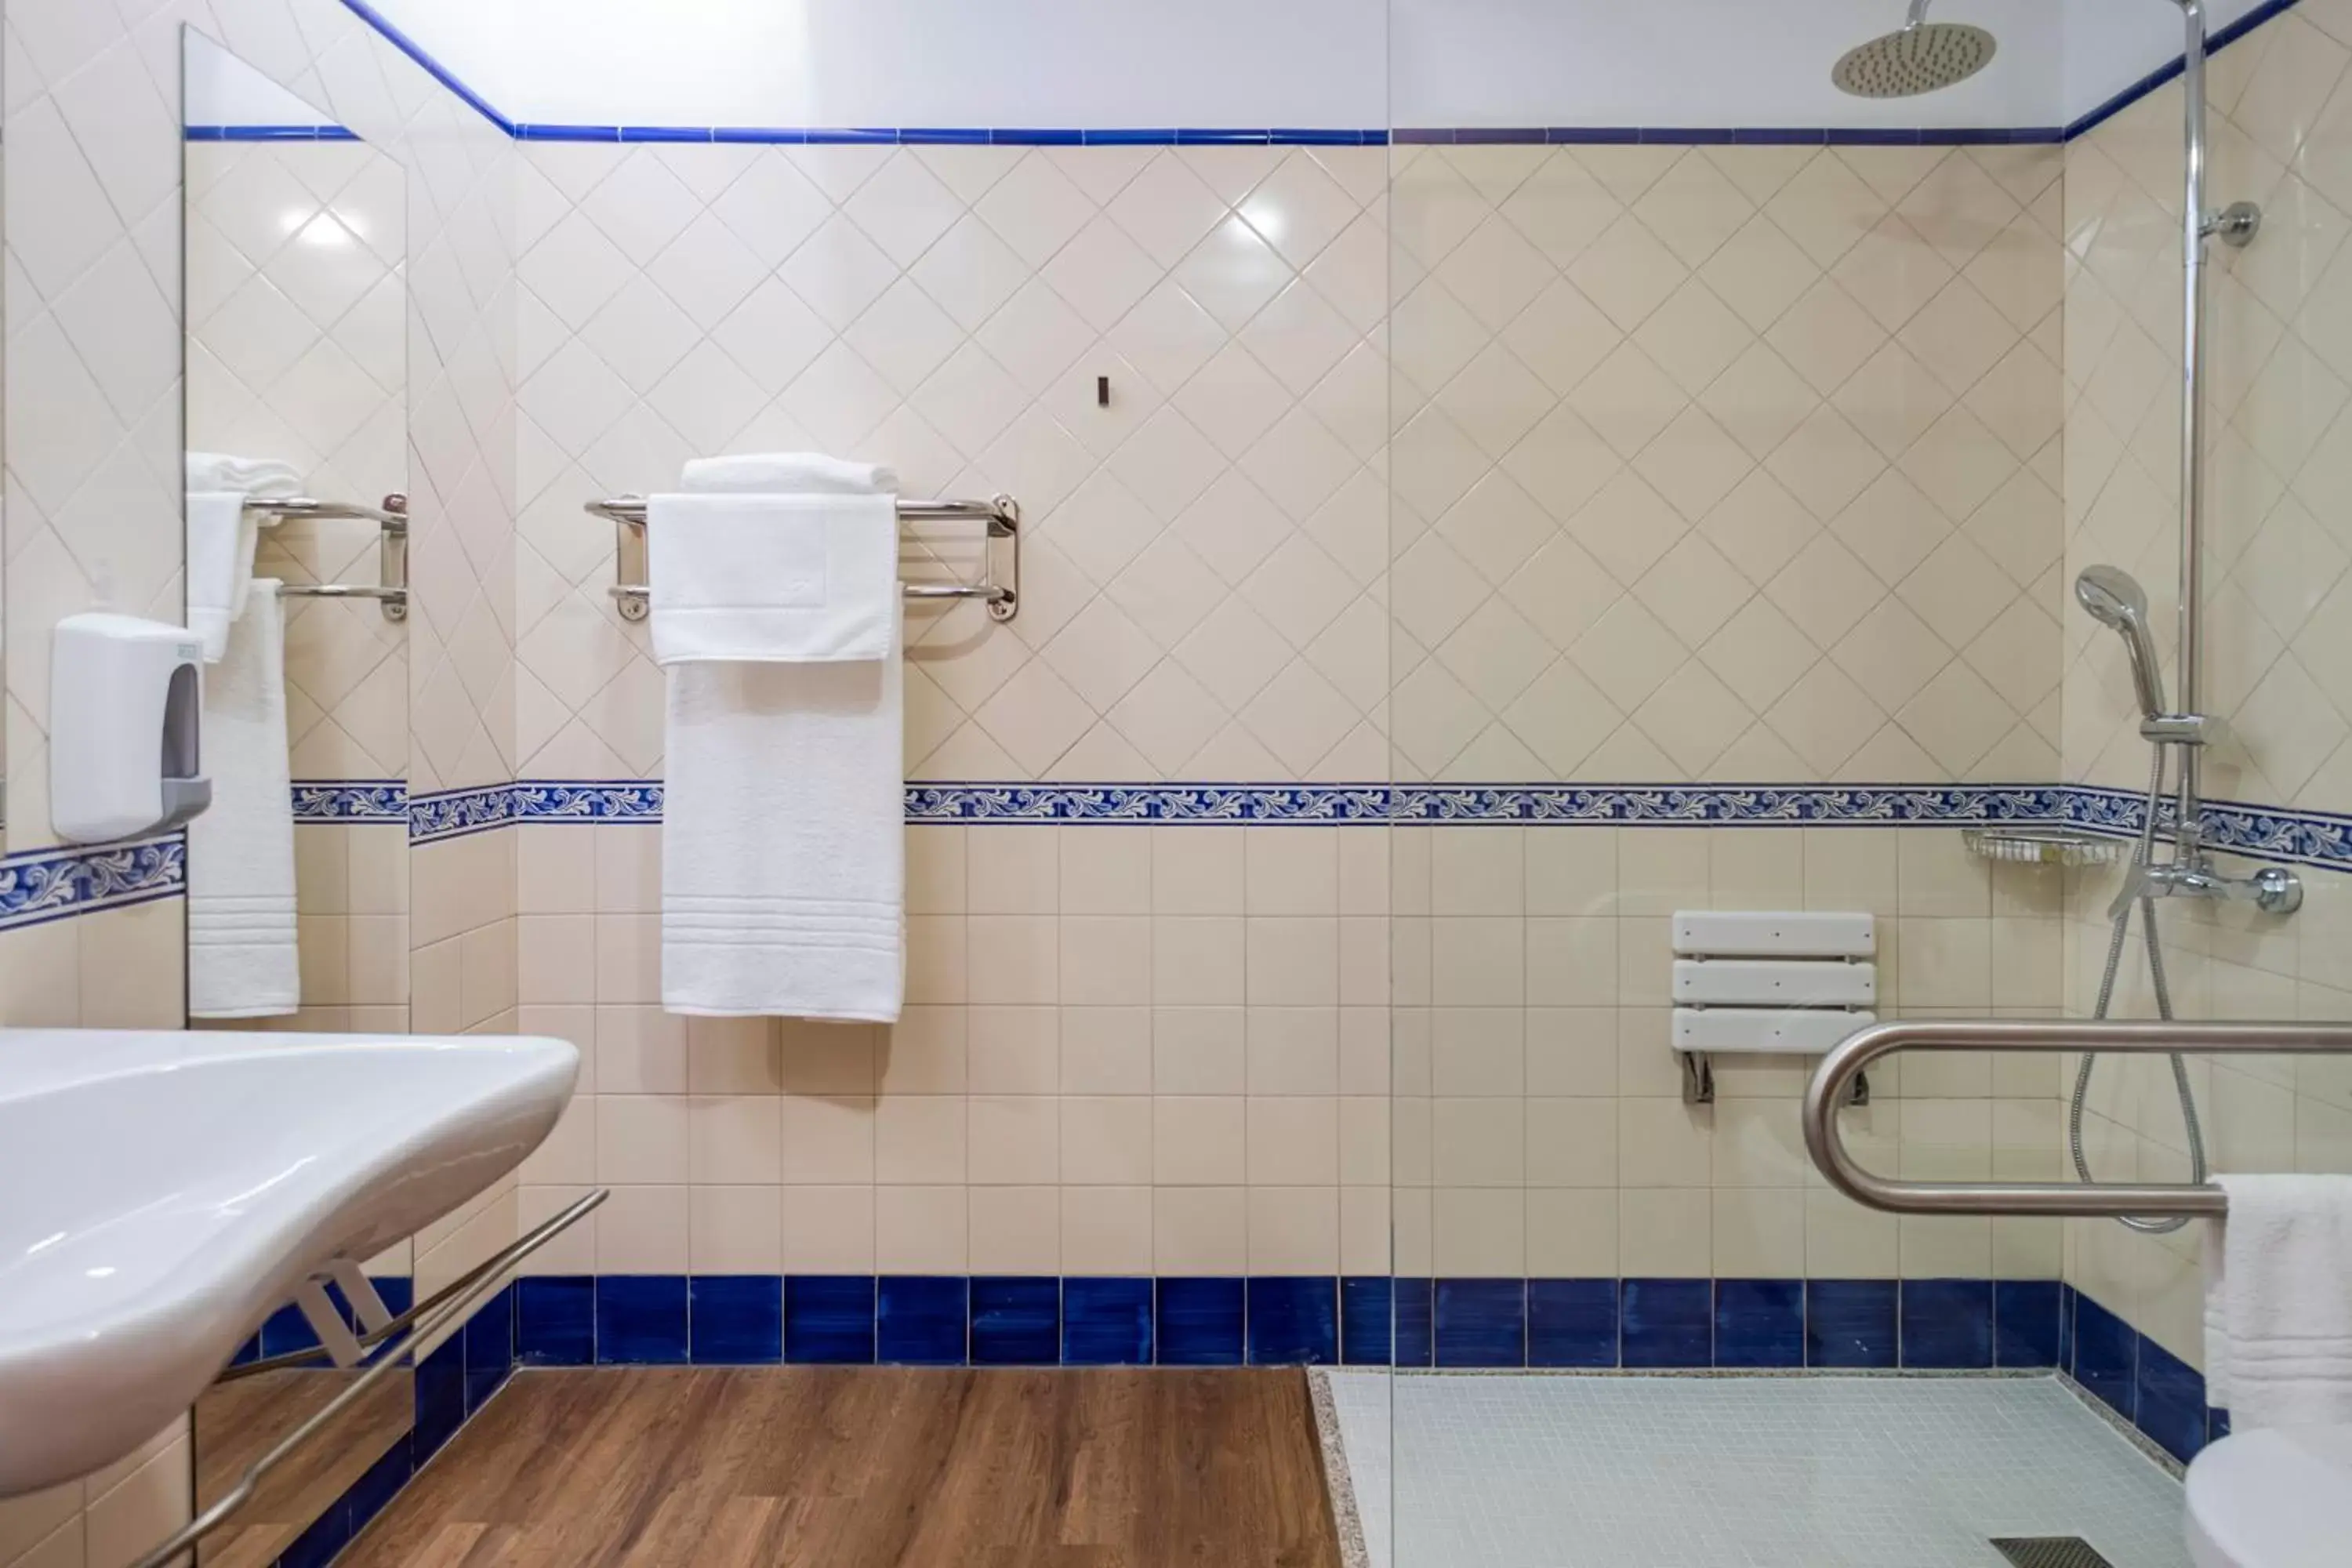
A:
(2050, 1552)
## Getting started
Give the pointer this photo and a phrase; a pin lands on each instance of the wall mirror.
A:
(296, 355)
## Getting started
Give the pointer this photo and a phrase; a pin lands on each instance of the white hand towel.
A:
(253, 476)
(2278, 1301)
(242, 961)
(773, 578)
(788, 473)
(221, 540)
(783, 840)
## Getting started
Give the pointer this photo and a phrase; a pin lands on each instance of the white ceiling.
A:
(1249, 62)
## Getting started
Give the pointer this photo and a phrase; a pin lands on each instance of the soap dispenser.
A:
(125, 699)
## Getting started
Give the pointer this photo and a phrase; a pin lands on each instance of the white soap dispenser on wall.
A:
(126, 696)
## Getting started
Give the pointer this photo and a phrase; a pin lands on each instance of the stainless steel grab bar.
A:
(454, 1302)
(2107, 1200)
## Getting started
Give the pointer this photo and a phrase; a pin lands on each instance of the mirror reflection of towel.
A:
(242, 957)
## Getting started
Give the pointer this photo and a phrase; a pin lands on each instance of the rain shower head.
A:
(2116, 600)
(1925, 57)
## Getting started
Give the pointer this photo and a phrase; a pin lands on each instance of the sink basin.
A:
(164, 1192)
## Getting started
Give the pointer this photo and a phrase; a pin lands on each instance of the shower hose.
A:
(2143, 857)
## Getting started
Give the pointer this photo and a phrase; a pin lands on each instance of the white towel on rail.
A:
(2278, 1301)
(788, 473)
(242, 957)
(783, 839)
(773, 579)
(222, 536)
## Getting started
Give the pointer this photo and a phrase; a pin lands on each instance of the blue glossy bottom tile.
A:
(921, 1320)
(829, 1319)
(1105, 1323)
(440, 1394)
(1946, 1325)
(1668, 1322)
(1414, 1302)
(375, 1491)
(1200, 1321)
(1759, 1322)
(286, 1331)
(1016, 1321)
(1482, 1323)
(1293, 1322)
(1571, 1322)
(1367, 1320)
(1851, 1324)
(2025, 1323)
(2106, 1356)
(555, 1320)
(641, 1319)
(2169, 1401)
(735, 1320)
(321, 1542)
(490, 1348)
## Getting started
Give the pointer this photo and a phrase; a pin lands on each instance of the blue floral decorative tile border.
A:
(351, 800)
(2317, 839)
(58, 884)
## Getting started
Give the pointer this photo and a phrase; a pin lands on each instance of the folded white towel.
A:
(221, 540)
(242, 960)
(773, 578)
(2278, 1301)
(253, 476)
(788, 473)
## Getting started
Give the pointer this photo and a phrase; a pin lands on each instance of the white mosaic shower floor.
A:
(1812, 1472)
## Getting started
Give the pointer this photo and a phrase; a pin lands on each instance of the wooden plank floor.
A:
(873, 1468)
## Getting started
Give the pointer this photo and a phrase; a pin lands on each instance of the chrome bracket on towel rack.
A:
(391, 587)
(999, 587)
(1825, 1140)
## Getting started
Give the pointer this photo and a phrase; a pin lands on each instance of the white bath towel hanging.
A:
(242, 961)
(222, 536)
(2278, 1301)
(784, 856)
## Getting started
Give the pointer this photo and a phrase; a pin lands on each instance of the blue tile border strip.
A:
(267, 133)
(2268, 833)
(961, 135)
(47, 885)
(58, 883)
(1727, 136)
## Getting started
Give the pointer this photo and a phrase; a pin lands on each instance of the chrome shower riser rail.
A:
(1826, 1092)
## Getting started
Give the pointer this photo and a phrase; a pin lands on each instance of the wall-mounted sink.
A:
(161, 1193)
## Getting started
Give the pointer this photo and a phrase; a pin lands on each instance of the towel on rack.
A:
(242, 961)
(222, 536)
(783, 840)
(2278, 1301)
(788, 473)
(253, 476)
(775, 579)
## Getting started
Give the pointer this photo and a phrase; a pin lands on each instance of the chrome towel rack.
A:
(391, 589)
(2106, 1200)
(999, 588)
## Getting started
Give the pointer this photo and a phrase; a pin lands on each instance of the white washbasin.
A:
(161, 1193)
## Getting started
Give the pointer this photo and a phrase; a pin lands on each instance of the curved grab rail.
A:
(2104, 1200)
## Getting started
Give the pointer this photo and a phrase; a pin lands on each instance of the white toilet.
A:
(2281, 1498)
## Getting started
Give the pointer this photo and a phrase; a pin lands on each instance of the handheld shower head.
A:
(1925, 57)
(2116, 600)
